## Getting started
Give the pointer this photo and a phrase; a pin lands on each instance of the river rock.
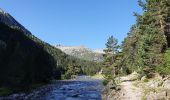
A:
(157, 96)
(166, 84)
(132, 77)
(154, 83)
(111, 85)
(144, 78)
(118, 88)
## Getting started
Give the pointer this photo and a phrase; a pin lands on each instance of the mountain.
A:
(82, 52)
(98, 51)
(11, 22)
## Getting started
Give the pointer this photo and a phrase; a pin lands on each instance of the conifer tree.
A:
(111, 50)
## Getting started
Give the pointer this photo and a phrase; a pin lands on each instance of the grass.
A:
(5, 91)
(98, 76)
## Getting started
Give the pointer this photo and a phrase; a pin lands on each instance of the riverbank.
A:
(6, 91)
(98, 76)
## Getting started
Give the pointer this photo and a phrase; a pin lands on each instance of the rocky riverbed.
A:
(81, 88)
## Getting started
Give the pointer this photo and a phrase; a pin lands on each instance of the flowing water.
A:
(82, 88)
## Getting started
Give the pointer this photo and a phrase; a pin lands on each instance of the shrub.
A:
(105, 82)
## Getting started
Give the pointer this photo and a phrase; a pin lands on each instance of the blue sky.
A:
(74, 22)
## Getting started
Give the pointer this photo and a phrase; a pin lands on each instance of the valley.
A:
(27, 61)
(133, 64)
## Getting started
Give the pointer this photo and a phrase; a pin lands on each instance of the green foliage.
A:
(164, 69)
(146, 80)
(112, 59)
(147, 40)
(105, 82)
(108, 72)
(90, 67)
(72, 70)
(111, 45)
(5, 91)
(110, 51)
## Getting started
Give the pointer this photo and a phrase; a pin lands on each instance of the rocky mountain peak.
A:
(11, 22)
(1, 11)
(81, 52)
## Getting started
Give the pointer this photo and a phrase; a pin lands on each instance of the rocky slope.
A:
(82, 52)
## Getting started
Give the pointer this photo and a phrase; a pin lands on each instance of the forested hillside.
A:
(22, 60)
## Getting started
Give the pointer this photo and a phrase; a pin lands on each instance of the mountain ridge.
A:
(7, 19)
(82, 52)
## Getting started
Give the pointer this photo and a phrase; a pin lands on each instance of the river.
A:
(81, 88)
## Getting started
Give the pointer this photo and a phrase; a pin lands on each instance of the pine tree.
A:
(111, 50)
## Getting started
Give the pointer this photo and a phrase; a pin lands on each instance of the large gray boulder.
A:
(155, 83)
(132, 77)
(157, 96)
